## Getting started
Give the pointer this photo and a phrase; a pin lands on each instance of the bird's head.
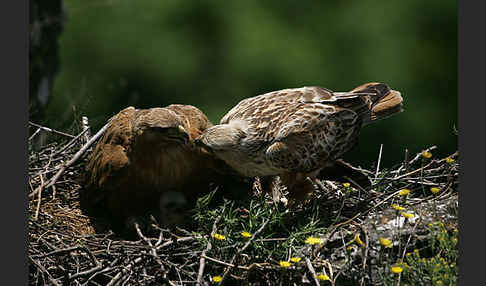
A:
(219, 138)
(162, 126)
(383, 101)
(176, 134)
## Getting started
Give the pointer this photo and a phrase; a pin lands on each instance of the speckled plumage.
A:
(299, 130)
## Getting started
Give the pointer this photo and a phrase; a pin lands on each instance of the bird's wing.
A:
(291, 95)
(312, 134)
(307, 95)
(110, 154)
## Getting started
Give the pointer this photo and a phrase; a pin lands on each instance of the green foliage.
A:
(438, 267)
(213, 54)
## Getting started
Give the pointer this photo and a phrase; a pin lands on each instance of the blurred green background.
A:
(212, 54)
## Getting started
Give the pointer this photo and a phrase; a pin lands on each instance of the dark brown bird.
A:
(147, 161)
(297, 133)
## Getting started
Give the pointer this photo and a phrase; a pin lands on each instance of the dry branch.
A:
(77, 155)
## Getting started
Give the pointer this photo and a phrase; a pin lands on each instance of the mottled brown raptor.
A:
(297, 133)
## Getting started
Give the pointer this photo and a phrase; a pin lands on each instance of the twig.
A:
(35, 133)
(53, 281)
(98, 265)
(50, 130)
(202, 259)
(414, 171)
(167, 243)
(226, 271)
(418, 155)
(39, 189)
(152, 248)
(405, 247)
(84, 123)
(70, 143)
(312, 271)
(334, 229)
(331, 273)
(77, 155)
(123, 271)
(363, 266)
(39, 196)
(57, 251)
(379, 161)
(405, 164)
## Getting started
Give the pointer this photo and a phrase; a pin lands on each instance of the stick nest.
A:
(63, 248)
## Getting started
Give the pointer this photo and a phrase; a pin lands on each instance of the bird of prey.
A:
(146, 161)
(297, 133)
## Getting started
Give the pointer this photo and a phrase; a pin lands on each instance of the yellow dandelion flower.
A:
(219, 236)
(245, 234)
(426, 154)
(358, 240)
(434, 190)
(397, 207)
(350, 248)
(284, 264)
(408, 254)
(217, 279)
(407, 215)
(449, 160)
(416, 251)
(322, 277)
(295, 259)
(313, 240)
(438, 282)
(346, 185)
(430, 225)
(385, 242)
(396, 269)
(404, 192)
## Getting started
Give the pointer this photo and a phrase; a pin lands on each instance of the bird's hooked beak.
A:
(183, 132)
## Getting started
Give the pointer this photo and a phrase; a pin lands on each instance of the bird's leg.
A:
(269, 185)
(299, 185)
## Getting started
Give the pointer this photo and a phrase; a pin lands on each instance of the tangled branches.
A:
(63, 248)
